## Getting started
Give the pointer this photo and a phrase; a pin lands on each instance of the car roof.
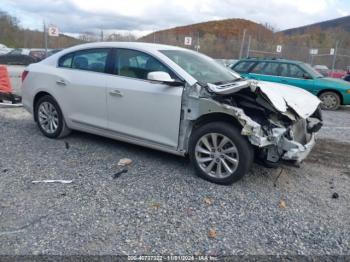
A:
(271, 59)
(137, 45)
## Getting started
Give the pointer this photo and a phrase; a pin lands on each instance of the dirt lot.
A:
(160, 206)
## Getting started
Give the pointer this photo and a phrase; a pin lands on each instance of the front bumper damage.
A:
(278, 144)
(279, 127)
(296, 151)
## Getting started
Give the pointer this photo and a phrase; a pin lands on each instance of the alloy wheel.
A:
(217, 155)
(48, 117)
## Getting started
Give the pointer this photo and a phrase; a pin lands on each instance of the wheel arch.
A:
(205, 119)
(215, 117)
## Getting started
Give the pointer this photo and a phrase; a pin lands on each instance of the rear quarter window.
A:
(66, 61)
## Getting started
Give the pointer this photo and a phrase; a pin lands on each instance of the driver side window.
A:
(136, 64)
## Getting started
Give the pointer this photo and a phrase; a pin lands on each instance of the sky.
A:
(144, 16)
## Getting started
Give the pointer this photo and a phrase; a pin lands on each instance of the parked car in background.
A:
(4, 49)
(347, 78)
(337, 74)
(38, 54)
(53, 51)
(175, 100)
(20, 51)
(17, 59)
(322, 69)
(332, 92)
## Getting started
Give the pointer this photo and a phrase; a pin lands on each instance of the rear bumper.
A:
(294, 151)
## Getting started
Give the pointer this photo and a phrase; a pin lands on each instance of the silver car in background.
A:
(175, 100)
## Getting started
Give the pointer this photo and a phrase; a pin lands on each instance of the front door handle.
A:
(61, 82)
(115, 93)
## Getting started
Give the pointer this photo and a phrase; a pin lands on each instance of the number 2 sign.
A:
(53, 31)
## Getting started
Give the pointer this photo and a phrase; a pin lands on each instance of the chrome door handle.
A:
(61, 82)
(115, 93)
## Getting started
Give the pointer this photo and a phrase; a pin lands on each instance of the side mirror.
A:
(163, 77)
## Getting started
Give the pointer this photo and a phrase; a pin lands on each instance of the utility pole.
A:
(154, 37)
(335, 56)
(101, 37)
(242, 44)
(249, 42)
(197, 41)
(45, 39)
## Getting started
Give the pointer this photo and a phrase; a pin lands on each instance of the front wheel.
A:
(330, 100)
(219, 153)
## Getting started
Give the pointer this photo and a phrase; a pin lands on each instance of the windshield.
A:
(312, 71)
(202, 68)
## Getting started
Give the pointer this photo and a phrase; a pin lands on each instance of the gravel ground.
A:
(160, 206)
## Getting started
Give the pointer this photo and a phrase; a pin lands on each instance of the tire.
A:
(59, 128)
(330, 100)
(237, 147)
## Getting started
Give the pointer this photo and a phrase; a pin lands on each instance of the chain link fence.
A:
(235, 48)
(218, 47)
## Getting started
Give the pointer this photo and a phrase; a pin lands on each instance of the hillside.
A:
(342, 23)
(216, 38)
(13, 35)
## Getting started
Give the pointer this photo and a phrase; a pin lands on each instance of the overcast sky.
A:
(144, 16)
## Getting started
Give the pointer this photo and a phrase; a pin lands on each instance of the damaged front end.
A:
(279, 120)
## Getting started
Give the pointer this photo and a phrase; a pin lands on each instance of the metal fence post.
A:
(335, 56)
(45, 39)
(249, 42)
(242, 44)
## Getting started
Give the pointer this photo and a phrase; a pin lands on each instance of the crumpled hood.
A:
(283, 96)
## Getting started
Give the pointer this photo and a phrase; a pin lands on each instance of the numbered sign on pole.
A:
(279, 49)
(53, 31)
(313, 51)
(188, 40)
(332, 51)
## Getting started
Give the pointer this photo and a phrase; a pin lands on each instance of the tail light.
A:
(24, 75)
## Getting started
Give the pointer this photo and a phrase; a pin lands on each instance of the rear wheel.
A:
(220, 153)
(330, 100)
(50, 119)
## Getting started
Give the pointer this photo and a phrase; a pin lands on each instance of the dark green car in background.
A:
(332, 92)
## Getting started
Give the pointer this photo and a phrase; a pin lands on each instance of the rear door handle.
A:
(115, 93)
(61, 82)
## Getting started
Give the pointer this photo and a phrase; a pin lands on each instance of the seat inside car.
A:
(124, 67)
(81, 62)
(97, 67)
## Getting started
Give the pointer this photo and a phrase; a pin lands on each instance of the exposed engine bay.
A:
(280, 121)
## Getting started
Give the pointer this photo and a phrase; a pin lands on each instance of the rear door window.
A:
(243, 67)
(66, 61)
(91, 60)
(94, 60)
(266, 68)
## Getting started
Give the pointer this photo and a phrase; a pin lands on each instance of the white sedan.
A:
(175, 100)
